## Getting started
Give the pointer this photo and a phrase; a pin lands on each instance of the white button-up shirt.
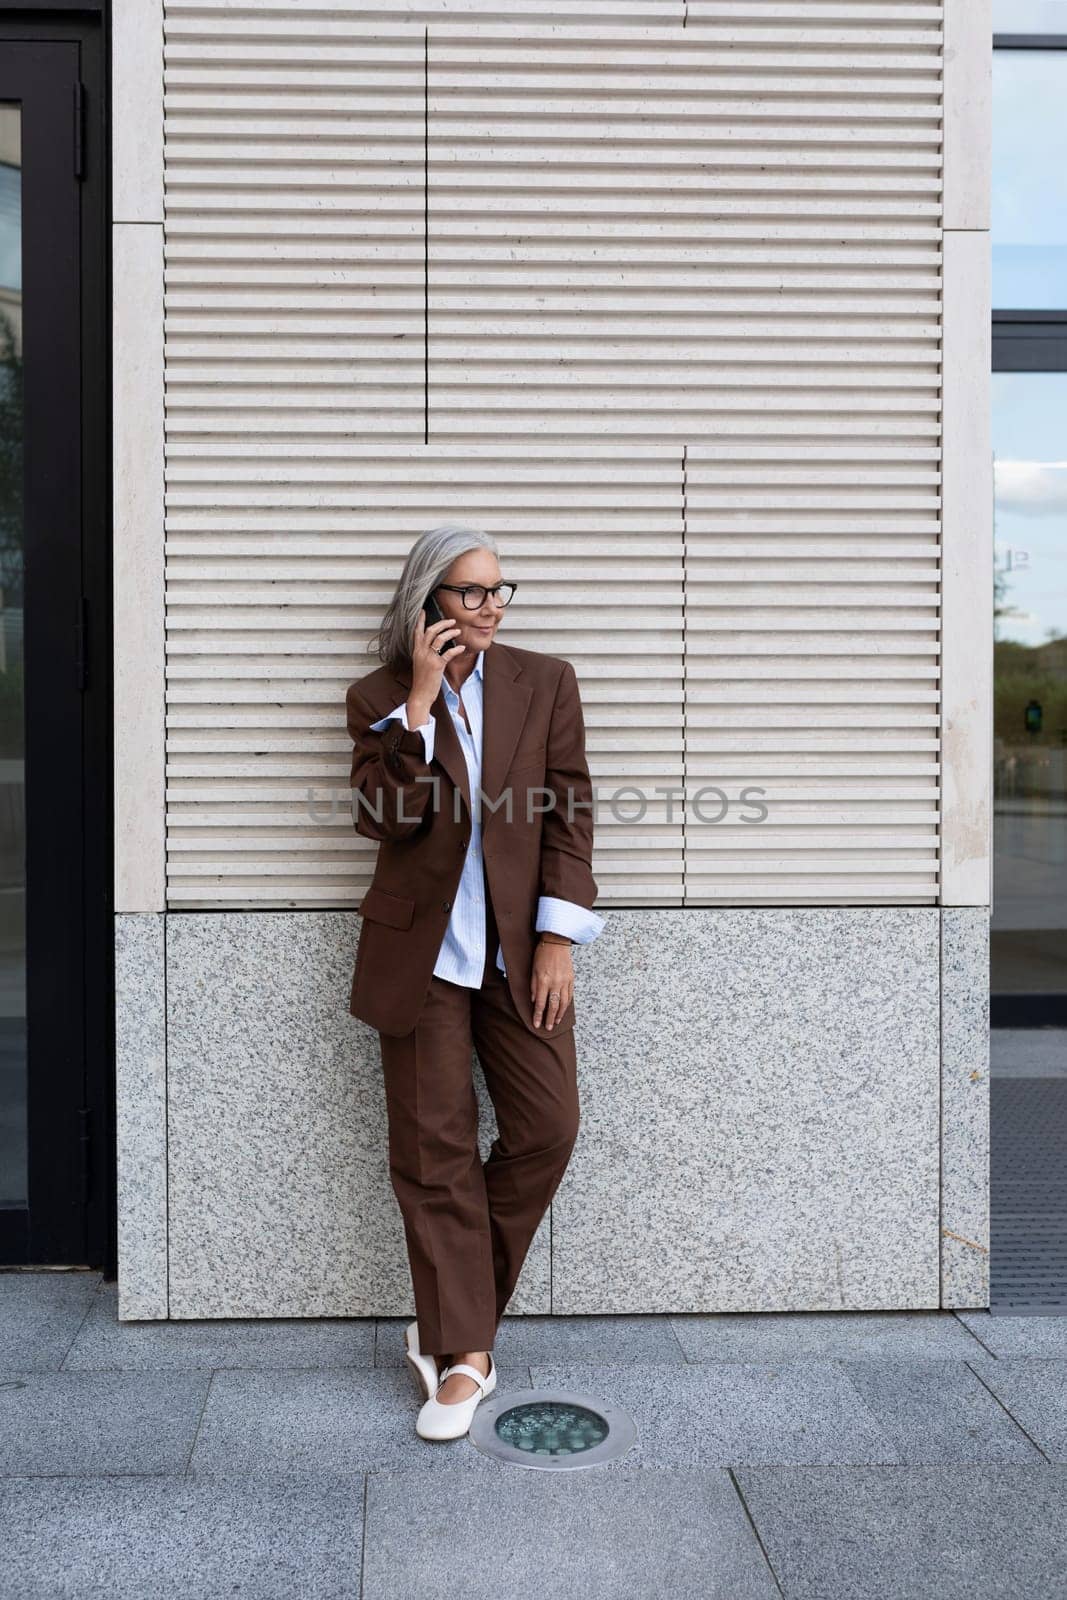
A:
(461, 958)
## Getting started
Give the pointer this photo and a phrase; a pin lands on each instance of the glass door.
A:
(45, 1115)
(1028, 929)
(14, 1176)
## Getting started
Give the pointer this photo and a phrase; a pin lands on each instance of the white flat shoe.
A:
(438, 1420)
(424, 1367)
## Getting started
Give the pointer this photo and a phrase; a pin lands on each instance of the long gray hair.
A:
(427, 562)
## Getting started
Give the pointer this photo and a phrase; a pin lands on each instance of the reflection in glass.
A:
(1029, 925)
(1029, 205)
(12, 749)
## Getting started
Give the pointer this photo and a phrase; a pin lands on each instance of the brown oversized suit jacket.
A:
(533, 734)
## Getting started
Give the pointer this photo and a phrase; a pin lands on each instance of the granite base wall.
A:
(783, 1109)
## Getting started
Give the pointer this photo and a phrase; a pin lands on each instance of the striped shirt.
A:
(461, 958)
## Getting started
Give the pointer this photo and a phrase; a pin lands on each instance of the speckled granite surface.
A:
(760, 1118)
(280, 1200)
(760, 1132)
(965, 1106)
(141, 1115)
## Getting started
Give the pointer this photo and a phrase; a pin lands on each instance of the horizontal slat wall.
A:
(648, 232)
(731, 238)
(333, 17)
(682, 294)
(294, 233)
(813, 517)
(333, 20)
(278, 579)
(812, 586)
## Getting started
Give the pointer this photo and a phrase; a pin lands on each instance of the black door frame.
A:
(59, 57)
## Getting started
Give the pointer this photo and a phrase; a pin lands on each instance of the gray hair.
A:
(427, 562)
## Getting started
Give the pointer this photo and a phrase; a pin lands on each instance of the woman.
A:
(469, 770)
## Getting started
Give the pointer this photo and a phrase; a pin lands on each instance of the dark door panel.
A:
(48, 1103)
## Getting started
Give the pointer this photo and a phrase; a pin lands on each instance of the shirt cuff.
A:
(428, 729)
(564, 916)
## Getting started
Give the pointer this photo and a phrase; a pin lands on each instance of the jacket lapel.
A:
(505, 702)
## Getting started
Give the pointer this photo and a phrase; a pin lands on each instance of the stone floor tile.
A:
(179, 1539)
(673, 1535)
(912, 1533)
(85, 1423)
(40, 1314)
(720, 1413)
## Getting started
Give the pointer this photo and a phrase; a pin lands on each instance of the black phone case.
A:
(435, 614)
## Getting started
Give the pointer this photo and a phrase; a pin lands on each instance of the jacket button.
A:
(446, 905)
(463, 844)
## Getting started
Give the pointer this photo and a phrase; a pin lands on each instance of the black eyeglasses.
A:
(474, 593)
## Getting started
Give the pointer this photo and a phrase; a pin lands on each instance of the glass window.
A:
(1029, 196)
(1029, 924)
(1030, 16)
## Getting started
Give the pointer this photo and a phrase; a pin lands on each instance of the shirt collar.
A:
(476, 672)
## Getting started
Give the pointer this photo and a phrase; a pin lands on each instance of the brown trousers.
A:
(469, 1224)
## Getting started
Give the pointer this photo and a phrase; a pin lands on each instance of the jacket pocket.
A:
(378, 905)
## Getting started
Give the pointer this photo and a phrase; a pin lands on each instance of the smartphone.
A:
(435, 614)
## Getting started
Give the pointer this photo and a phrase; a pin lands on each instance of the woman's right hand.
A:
(427, 667)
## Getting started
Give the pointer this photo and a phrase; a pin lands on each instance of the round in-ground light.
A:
(551, 1429)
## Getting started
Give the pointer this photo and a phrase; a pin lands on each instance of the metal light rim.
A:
(622, 1430)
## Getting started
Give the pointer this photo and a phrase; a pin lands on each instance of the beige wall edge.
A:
(967, 574)
(967, 113)
(967, 459)
(137, 110)
(137, 463)
(138, 598)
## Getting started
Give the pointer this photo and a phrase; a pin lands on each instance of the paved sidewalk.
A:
(821, 1455)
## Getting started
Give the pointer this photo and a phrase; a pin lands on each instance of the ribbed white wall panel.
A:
(651, 232)
(271, 606)
(669, 326)
(295, 234)
(335, 19)
(812, 582)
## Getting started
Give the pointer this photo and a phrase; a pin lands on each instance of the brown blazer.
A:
(533, 734)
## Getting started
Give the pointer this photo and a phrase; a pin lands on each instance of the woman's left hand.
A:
(551, 981)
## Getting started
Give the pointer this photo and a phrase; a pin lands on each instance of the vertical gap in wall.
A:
(426, 236)
(941, 1106)
(166, 1120)
(685, 677)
